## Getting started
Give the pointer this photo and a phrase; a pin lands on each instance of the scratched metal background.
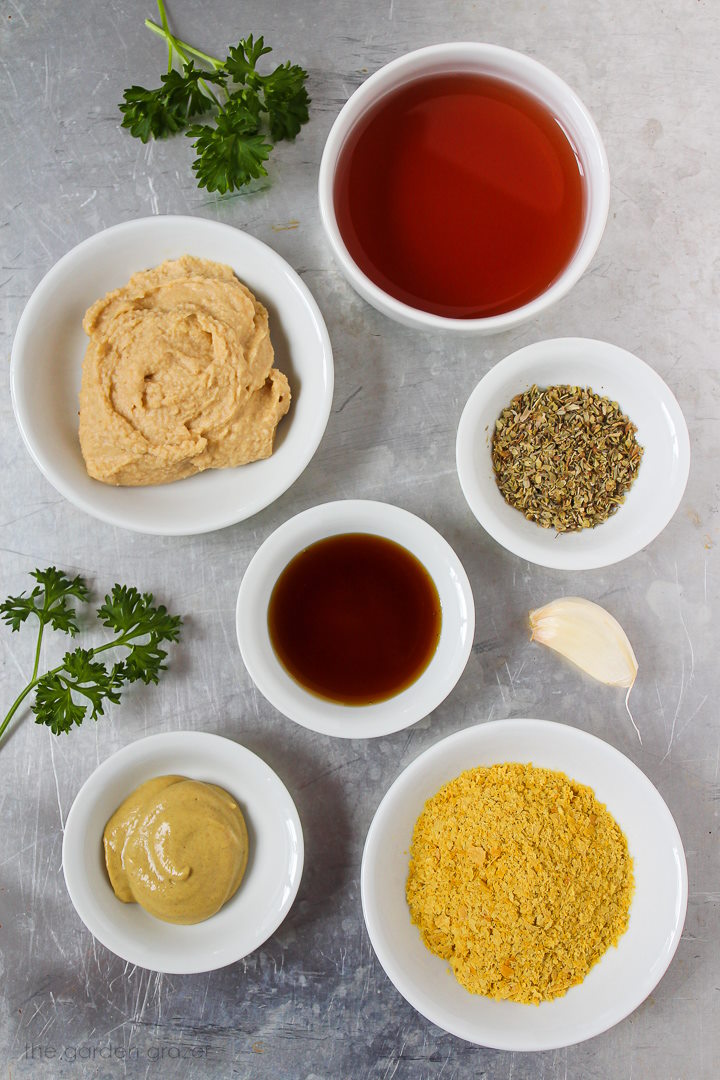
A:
(313, 1002)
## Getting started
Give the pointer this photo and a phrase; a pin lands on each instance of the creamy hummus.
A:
(177, 847)
(178, 376)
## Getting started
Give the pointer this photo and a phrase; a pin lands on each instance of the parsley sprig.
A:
(251, 110)
(83, 684)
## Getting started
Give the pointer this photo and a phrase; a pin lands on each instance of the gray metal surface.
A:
(313, 1002)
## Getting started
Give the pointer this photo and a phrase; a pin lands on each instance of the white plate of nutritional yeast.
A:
(50, 344)
(266, 892)
(622, 978)
(642, 396)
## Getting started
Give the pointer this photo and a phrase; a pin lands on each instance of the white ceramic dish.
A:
(271, 880)
(641, 394)
(509, 66)
(624, 976)
(441, 674)
(50, 344)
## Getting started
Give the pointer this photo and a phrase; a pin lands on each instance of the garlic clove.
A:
(589, 636)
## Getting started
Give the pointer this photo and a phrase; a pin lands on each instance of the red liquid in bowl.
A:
(460, 195)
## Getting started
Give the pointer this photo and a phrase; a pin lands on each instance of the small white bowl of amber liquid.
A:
(355, 619)
(268, 883)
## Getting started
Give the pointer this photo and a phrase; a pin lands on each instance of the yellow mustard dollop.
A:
(178, 847)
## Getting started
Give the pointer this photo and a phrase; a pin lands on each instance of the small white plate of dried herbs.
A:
(573, 453)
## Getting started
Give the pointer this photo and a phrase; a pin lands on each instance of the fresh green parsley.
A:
(251, 111)
(83, 684)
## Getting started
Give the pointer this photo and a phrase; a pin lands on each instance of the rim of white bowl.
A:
(55, 476)
(511, 370)
(404, 69)
(327, 717)
(405, 778)
(139, 750)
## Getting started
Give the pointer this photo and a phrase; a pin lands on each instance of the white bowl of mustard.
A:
(268, 884)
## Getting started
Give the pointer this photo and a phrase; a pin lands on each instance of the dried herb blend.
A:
(564, 456)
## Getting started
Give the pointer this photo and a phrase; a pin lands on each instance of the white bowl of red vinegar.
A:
(464, 186)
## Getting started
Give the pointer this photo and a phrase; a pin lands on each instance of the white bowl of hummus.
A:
(272, 865)
(171, 375)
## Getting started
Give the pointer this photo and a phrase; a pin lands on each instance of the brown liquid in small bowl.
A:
(355, 618)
